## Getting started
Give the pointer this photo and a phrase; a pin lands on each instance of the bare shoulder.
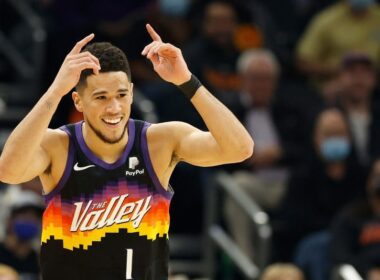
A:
(56, 145)
(168, 130)
(163, 139)
(168, 136)
(55, 140)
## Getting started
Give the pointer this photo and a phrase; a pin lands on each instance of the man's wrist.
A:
(190, 87)
(54, 93)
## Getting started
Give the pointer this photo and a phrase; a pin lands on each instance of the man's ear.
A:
(77, 101)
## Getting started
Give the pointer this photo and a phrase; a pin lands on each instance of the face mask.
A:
(25, 230)
(175, 8)
(360, 4)
(335, 149)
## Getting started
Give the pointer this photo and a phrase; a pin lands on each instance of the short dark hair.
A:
(111, 58)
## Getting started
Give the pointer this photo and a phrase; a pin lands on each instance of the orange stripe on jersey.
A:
(82, 222)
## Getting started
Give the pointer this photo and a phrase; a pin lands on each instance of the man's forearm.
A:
(231, 136)
(26, 138)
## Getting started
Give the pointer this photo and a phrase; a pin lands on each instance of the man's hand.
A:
(167, 59)
(71, 68)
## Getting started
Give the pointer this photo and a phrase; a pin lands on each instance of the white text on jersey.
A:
(135, 172)
(114, 213)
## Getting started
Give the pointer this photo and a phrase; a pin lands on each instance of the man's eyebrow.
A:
(99, 92)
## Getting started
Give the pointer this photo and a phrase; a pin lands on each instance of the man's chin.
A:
(104, 138)
(113, 140)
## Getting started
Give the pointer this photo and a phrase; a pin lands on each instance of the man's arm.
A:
(27, 152)
(24, 156)
(226, 141)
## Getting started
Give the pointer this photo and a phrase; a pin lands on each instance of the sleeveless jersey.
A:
(106, 221)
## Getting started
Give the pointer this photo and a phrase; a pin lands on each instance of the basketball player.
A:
(106, 179)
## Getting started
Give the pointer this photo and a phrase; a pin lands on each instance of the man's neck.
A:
(109, 153)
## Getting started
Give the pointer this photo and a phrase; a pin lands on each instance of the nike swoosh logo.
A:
(80, 168)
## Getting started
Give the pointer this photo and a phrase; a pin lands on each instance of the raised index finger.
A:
(153, 34)
(79, 45)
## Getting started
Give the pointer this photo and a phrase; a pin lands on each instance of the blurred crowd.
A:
(301, 75)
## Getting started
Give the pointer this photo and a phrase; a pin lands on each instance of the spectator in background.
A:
(321, 187)
(264, 180)
(8, 273)
(11, 195)
(282, 271)
(259, 72)
(123, 20)
(23, 230)
(345, 26)
(265, 175)
(118, 21)
(356, 231)
(357, 81)
(213, 55)
(173, 18)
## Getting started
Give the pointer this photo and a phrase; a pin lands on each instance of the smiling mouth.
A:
(112, 121)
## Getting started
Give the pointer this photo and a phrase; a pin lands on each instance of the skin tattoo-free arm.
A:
(226, 141)
(28, 150)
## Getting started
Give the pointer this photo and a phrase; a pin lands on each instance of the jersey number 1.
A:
(128, 272)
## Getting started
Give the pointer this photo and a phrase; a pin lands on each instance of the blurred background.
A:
(302, 76)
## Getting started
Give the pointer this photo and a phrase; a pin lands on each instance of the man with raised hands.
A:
(106, 179)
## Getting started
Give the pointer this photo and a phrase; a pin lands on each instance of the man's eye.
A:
(122, 95)
(100, 97)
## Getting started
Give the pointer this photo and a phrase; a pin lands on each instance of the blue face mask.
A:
(335, 149)
(177, 8)
(25, 230)
(360, 4)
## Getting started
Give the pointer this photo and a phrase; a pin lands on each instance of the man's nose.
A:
(113, 106)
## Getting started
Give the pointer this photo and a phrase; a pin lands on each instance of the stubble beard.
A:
(103, 137)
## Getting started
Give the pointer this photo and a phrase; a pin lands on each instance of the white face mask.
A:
(176, 8)
(360, 4)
